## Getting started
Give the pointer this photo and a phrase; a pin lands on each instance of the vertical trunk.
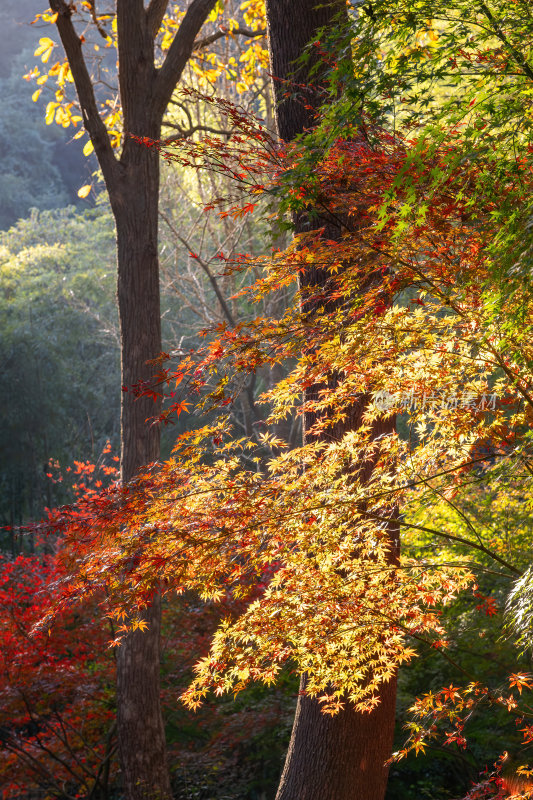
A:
(341, 757)
(141, 735)
(140, 728)
(139, 307)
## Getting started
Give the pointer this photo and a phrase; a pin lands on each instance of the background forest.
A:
(424, 123)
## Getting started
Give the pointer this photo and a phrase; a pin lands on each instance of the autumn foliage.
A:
(415, 330)
(57, 718)
(422, 314)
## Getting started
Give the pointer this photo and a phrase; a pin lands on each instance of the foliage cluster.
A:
(418, 305)
(423, 162)
(60, 368)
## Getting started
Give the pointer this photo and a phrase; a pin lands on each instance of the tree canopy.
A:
(420, 158)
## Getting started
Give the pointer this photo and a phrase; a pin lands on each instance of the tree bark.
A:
(341, 757)
(135, 201)
(141, 735)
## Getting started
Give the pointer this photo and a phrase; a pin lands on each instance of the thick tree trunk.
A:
(292, 25)
(141, 734)
(139, 308)
(341, 757)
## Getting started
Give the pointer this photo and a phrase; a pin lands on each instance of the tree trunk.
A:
(341, 757)
(141, 734)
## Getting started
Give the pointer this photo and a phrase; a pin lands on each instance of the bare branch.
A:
(212, 279)
(224, 31)
(179, 52)
(185, 133)
(96, 22)
(84, 88)
(155, 14)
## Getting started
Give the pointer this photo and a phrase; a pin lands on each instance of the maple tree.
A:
(303, 540)
(57, 721)
(188, 520)
(343, 755)
(469, 715)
